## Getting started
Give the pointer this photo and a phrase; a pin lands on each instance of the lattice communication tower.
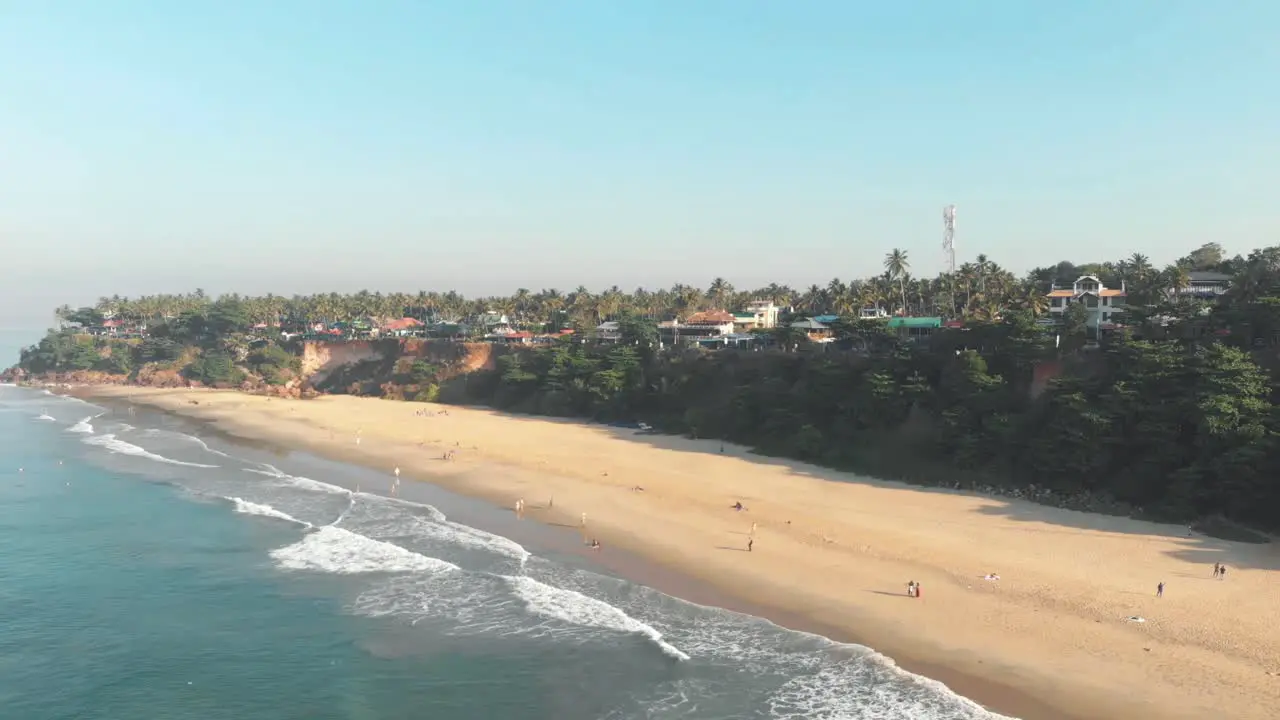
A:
(949, 238)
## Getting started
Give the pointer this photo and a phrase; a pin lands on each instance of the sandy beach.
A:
(834, 552)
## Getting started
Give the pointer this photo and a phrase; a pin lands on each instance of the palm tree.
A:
(719, 293)
(897, 265)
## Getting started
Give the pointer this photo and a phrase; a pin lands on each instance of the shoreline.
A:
(1030, 656)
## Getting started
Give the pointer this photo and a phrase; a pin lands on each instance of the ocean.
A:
(150, 570)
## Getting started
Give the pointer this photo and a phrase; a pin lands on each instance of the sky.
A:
(486, 145)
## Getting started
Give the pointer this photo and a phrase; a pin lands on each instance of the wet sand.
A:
(833, 552)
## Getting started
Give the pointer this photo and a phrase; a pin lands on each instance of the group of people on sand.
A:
(913, 589)
(424, 413)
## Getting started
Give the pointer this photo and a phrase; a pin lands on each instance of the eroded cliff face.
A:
(321, 359)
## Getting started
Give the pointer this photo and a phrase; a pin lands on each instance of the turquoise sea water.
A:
(150, 572)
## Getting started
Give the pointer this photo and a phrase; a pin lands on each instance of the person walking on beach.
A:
(1217, 570)
(1222, 572)
(1160, 589)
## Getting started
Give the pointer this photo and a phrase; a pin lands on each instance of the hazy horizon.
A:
(296, 147)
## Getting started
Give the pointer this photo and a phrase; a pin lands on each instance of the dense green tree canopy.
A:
(1175, 416)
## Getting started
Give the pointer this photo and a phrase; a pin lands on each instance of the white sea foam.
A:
(120, 447)
(46, 418)
(252, 508)
(83, 426)
(126, 427)
(192, 438)
(577, 609)
(819, 677)
(272, 471)
(381, 516)
(460, 534)
(335, 550)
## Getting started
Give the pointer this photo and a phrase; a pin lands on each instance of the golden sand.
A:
(838, 550)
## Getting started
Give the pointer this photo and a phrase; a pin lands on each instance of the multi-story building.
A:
(1203, 285)
(758, 315)
(1104, 306)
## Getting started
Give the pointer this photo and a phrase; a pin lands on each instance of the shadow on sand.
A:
(1195, 547)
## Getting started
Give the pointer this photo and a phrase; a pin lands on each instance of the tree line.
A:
(980, 289)
(1178, 418)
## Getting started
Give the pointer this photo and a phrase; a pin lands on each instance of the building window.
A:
(1057, 302)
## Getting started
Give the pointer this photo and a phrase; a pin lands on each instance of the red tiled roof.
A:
(519, 335)
(710, 317)
(402, 324)
(1113, 293)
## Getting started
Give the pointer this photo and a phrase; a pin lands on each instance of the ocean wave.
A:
(573, 607)
(272, 471)
(335, 550)
(120, 447)
(83, 426)
(384, 517)
(816, 677)
(252, 508)
(46, 418)
(191, 438)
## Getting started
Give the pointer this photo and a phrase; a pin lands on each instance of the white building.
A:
(1104, 305)
(608, 331)
(1203, 285)
(758, 315)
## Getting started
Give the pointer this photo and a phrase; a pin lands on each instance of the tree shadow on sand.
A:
(1196, 548)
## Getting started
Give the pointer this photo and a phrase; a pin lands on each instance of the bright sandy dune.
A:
(838, 550)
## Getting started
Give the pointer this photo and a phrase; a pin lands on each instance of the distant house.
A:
(1203, 285)
(1104, 305)
(816, 330)
(118, 328)
(872, 313)
(915, 328)
(710, 322)
(402, 327)
(758, 315)
(493, 322)
(608, 331)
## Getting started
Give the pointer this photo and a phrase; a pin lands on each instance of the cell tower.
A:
(949, 238)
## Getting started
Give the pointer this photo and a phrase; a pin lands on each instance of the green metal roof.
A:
(745, 315)
(915, 322)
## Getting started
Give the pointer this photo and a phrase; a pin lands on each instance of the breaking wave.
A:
(112, 444)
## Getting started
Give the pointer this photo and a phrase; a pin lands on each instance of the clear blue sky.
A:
(483, 145)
